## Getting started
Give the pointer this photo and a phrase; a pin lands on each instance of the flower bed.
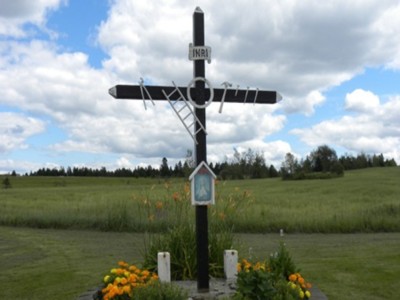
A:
(121, 282)
(276, 278)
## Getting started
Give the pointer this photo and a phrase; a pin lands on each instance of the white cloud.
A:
(19, 166)
(14, 14)
(361, 101)
(305, 105)
(15, 129)
(299, 48)
(124, 162)
(274, 152)
(63, 87)
(374, 129)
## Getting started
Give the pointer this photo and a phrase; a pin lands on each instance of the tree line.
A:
(323, 162)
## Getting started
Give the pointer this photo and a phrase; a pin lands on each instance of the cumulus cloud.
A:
(299, 48)
(273, 152)
(375, 128)
(362, 101)
(14, 14)
(305, 105)
(16, 128)
(19, 166)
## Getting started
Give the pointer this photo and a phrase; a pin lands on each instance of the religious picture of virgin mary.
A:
(202, 187)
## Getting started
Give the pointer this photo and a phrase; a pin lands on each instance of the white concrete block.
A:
(164, 266)
(230, 264)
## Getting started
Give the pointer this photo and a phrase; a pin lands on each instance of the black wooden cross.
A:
(200, 95)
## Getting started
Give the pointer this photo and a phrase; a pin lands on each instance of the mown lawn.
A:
(61, 264)
(60, 235)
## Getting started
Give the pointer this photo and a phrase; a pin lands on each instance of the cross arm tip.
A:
(198, 10)
(113, 91)
(278, 97)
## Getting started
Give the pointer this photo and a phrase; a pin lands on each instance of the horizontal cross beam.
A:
(231, 96)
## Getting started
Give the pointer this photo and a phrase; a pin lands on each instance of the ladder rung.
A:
(200, 129)
(182, 108)
(173, 92)
(187, 116)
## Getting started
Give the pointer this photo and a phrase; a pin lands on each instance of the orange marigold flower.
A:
(120, 272)
(293, 277)
(132, 268)
(120, 291)
(126, 289)
(132, 278)
(300, 280)
(107, 288)
(114, 291)
(239, 267)
(123, 264)
(308, 285)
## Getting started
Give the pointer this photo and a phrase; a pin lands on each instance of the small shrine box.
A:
(202, 185)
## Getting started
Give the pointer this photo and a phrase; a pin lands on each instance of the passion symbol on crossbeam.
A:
(180, 97)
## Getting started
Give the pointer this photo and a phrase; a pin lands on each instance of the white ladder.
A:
(184, 111)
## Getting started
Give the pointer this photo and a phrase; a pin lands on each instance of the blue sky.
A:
(336, 64)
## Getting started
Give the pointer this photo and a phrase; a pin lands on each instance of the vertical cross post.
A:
(201, 155)
(197, 96)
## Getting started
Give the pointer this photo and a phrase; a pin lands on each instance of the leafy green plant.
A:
(179, 238)
(276, 279)
(180, 242)
(254, 282)
(281, 263)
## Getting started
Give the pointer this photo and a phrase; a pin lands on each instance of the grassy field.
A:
(54, 244)
(362, 201)
(61, 264)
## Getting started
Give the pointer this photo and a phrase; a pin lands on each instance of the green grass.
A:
(343, 266)
(61, 264)
(361, 201)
